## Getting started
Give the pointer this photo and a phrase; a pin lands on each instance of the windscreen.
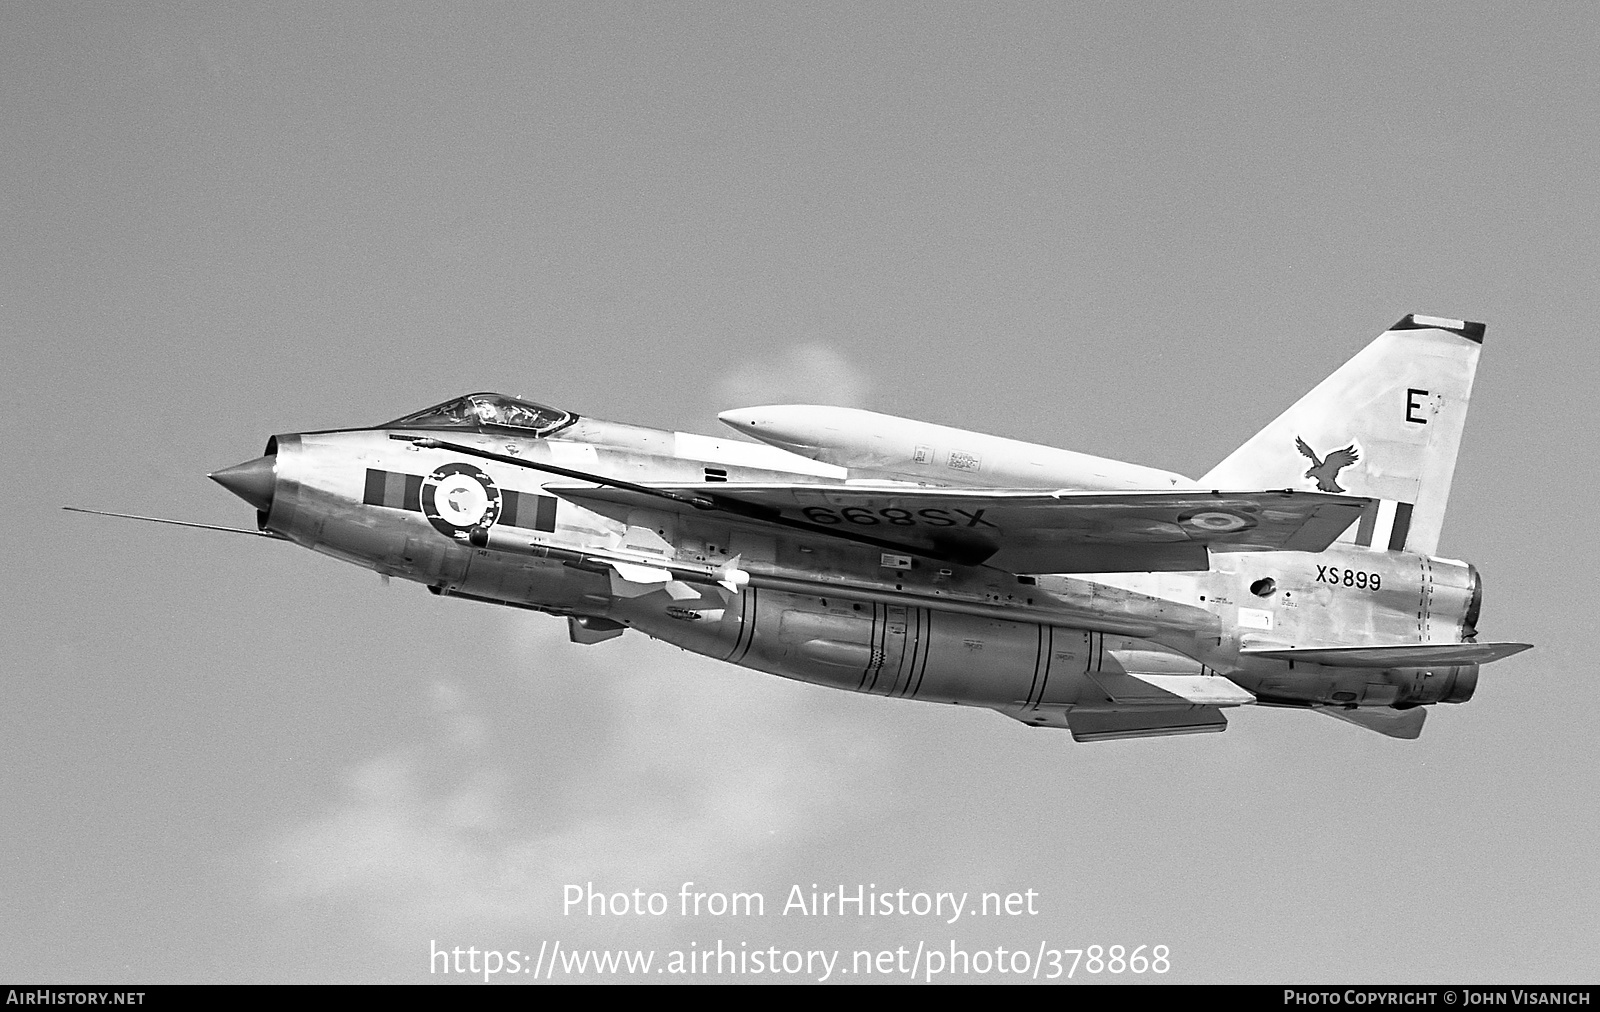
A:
(488, 411)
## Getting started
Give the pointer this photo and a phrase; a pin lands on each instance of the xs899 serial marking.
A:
(1357, 578)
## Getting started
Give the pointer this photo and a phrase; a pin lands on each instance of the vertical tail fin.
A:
(1387, 424)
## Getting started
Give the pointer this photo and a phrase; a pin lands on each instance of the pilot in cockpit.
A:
(486, 412)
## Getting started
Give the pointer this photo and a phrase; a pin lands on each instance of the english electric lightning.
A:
(911, 560)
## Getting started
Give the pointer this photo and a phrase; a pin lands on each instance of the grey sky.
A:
(1134, 232)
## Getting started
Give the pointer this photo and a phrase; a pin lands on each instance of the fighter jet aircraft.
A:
(889, 556)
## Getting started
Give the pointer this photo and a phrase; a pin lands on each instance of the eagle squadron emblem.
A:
(1326, 470)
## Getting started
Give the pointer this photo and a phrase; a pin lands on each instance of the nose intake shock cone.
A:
(251, 481)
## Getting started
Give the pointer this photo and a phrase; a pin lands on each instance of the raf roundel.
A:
(1215, 521)
(458, 499)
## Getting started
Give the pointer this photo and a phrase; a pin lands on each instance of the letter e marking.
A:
(1413, 405)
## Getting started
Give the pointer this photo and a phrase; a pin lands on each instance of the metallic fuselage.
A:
(837, 614)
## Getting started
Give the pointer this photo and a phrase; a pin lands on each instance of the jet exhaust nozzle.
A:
(252, 481)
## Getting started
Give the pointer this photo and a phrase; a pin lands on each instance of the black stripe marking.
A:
(509, 501)
(372, 495)
(1402, 527)
(412, 496)
(545, 513)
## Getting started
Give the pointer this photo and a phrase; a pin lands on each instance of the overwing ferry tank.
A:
(873, 445)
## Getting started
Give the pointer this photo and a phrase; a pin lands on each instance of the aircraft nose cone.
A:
(252, 481)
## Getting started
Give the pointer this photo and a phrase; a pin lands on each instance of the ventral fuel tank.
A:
(872, 445)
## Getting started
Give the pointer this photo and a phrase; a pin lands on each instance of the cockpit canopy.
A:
(488, 412)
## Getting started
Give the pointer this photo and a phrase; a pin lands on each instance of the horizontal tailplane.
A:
(1404, 655)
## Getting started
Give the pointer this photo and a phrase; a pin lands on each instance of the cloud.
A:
(804, 374)
(629, 765)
